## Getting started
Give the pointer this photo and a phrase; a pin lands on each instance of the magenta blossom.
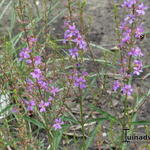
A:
(54, 90)
(50, 99)
(36, 74)
(43, 105)
(30, 105)
(24, 54)
(126, 36)
(141, 9)
(78, 79)
(80, 42)
(135, 52)
(129, 3)
(137, 67)
(116, 85)
(130, 18)
(37, 60)
(74, 52)
(43, 85)
(30, 85)
(58, 123)
(32, 39)
(139, 32)
(127, 90)
(70, 33)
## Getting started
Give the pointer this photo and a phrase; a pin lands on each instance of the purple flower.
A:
(43, 105)
(33, 40)
(30, 84)
(70, 32)
(130, 18)
(30, 105)
(73, 52)
(127, 89)
(80, 42)
(80, 82)
(139, 31)
(135, 52)
(24, 54)
(73, 34)
(137, 67)
(123, 26)
(54, 90)
(50, 99)
(116, 85)
(36, 74)
(58, 123)
(126, 36)
(29, 61)
(15, 110)
(37, 60)
(129, 3)
(141, 9)
(43, 84)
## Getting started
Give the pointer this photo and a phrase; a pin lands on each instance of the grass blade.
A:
(2, 14)
(2, 3)
(141, 123)
(104, 113)
(92, 136)
(34, 121)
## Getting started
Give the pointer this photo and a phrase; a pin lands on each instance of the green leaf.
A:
(91, 137)
(57, 139)
(101, 48)
(104, 113)
(34, 121)
(146, 66)
(141, 123)
(96, 120)
(12, 20)
(141, 100)
(70, 119)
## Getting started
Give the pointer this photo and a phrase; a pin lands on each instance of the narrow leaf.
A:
(34, 121)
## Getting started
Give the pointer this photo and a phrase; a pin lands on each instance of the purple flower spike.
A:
(141, 9)
(43, 105)
(70, 32)
(36, 74)
(54, 90)
(43, 85)
(116, 85)
(74, 52)
(33, 40)
(58, 123)
(137, 67)
(130, 18)
(50, 99)
(135, 52)
(126, 36)
(127, 89)
(80, 82)
(129, 3)
(80, 42)
(37, 60)
(139, 32)
(30, 105)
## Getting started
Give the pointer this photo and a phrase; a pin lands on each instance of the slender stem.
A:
(82, 115)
